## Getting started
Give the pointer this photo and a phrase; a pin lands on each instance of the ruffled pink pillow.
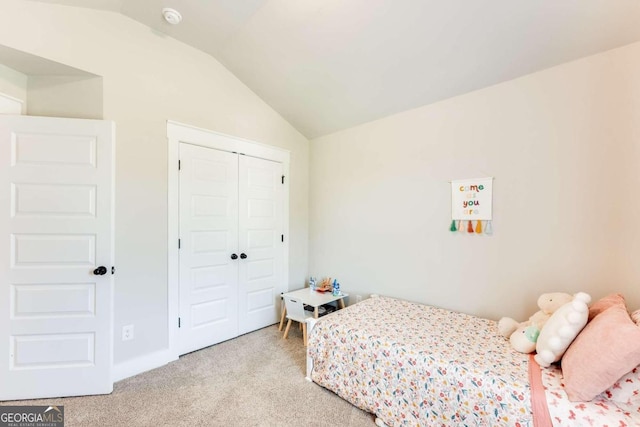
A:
(636, 317)
(604, 303)
(606, 349)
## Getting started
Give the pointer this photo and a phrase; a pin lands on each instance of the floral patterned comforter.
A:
(412, 364)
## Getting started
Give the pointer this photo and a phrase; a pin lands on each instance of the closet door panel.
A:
(260, 230)
(208, 237)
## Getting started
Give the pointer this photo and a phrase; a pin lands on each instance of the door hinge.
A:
(282, 237)
(178, 322)
(179, 243)
(179, 165)
(283, 179)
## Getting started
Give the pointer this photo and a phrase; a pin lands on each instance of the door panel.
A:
(53, 300)
(34, 351)
(208, 233)
(260, 230)
(56, 338)
(53, 250)
(45, 200)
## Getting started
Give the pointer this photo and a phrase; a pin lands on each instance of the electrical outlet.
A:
(127, 332)
(358, 298)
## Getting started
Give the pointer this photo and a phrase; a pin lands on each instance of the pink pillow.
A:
(606, 349)
(604, 303)
(636, 317)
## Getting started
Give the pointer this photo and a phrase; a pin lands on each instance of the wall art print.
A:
(471, 205)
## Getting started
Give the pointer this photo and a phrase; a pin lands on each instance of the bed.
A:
(411, 364)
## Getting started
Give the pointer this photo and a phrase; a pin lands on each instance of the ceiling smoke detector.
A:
(172, 16)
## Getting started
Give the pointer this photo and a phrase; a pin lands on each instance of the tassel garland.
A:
(480, 228)
(488, 229)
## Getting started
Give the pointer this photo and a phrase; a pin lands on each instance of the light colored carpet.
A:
(254, 380)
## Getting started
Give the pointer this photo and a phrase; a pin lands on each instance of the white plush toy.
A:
(523, 335)
(561, 329)
(524, 339)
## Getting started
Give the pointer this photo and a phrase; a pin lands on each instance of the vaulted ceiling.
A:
(332, 64)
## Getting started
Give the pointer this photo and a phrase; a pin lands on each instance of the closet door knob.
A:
(243, 256)
(100, 271)
(234, 256)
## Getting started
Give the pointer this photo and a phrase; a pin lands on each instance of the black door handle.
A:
(243, 255)
(100, 271)
(234, 256)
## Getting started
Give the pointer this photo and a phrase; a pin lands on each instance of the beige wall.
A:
(563, 146)
(13, 83)
(77, 97)
(147, 79)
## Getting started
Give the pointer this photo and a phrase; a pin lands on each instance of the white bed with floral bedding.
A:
(412, 364)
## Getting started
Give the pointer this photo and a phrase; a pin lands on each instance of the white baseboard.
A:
(141, 364)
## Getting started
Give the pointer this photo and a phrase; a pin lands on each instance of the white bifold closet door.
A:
(231, 252)
(260, 240)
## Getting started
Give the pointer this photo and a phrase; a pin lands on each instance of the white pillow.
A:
(561, 329)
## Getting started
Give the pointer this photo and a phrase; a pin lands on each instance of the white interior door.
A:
(56, 222)
(208, 238)
(260, 240)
